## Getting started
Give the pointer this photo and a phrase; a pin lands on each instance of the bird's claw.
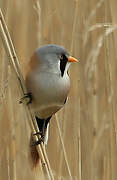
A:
(27, 99)
(38, 133)
(40, 140)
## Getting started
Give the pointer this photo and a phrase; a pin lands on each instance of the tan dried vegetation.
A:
(83, 137)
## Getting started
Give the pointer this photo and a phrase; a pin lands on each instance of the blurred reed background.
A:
(88, 29)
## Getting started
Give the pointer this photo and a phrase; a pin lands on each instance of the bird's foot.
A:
(27, 99)
(40, 140)
(38, 133)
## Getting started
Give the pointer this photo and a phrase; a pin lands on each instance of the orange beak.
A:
(72, 59)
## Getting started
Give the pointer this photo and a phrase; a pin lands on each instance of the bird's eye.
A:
(61, 57)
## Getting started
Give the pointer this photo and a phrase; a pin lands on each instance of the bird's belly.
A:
(47, 103)
(48, 96)
(45, 111)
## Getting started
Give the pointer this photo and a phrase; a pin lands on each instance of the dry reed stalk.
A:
(63, 146)
(38, 11)
(71, 50)
(8, 162)
(88, 21)
(7, 42)
(74, 26)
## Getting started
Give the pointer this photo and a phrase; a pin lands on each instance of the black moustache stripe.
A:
(63, 63)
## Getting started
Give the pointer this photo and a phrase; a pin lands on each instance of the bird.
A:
(48, 84)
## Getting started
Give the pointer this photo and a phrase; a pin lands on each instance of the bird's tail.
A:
(46, 135)
(43, 125)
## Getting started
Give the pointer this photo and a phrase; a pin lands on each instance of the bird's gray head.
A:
(53, 58)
